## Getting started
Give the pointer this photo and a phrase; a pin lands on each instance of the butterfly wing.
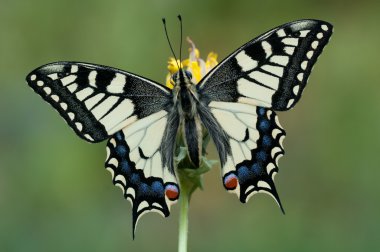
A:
(249, 144)
(136, 158)
(239, 97)
(97, 101)
(100, 102)
(271, 70)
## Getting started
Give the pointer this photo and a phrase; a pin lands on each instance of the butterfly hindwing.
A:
(135, 160)
(271, 70)
(254, 143)
(97, 101)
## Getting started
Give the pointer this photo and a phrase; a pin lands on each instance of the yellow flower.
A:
(211, 61)
(173, 65)
(194, 64)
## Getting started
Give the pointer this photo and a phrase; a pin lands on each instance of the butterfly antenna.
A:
(167, 37)
(180, 46)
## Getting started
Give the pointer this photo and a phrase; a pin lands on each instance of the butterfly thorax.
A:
(186, 101)
(185, 94)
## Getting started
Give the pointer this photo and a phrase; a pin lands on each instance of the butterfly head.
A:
(182, 77)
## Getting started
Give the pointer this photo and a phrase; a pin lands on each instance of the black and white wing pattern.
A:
(271, 70)
(100, 102)
(97, 101)
(253, 138)
(241, 94)
(136, 159)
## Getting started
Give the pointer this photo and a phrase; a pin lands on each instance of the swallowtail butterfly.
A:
(235, 102)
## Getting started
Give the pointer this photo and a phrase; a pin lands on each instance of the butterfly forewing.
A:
(97, 101)
(269, 71)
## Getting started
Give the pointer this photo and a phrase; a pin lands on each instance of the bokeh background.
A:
(55, 194)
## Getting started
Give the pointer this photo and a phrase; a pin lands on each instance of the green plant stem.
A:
(183, 219)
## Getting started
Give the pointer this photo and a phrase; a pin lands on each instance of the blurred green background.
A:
(55, 194)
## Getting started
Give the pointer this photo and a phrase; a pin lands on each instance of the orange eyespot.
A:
(171, 191)
(230, 182)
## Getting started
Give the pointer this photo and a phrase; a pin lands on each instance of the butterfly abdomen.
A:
(192, 130)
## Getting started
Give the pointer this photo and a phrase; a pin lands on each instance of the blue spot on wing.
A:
(121, 150)
(264, 125)
(244, 174)
(261, 156)
(119, 136)
(267, 141)
(125, 167)
(157, 187)
(143, 188)
(261, 111)
(257, 169)
(135, 178)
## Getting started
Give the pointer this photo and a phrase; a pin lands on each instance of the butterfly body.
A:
(186, 100)
(236, 102)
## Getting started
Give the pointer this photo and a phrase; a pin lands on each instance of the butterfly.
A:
(235, 102)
